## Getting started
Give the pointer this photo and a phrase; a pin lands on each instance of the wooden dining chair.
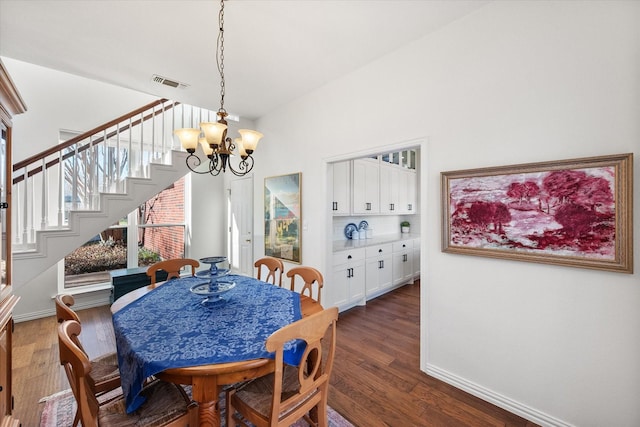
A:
(166, 404)
(310, 276)
(274, 269)
(290, 392)
(105, 375)
(172, 267)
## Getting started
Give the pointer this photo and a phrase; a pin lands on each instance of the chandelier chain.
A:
(220, 55)
(216, 145)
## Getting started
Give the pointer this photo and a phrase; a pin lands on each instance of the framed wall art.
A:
(576, 212)
(282, 219)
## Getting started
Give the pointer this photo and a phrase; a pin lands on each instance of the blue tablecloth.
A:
(170, 328)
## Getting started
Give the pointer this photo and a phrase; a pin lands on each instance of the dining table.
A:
(169, 332)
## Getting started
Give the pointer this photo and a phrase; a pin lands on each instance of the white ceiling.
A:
(275, 51)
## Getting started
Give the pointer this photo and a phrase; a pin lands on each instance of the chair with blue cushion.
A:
(290, 392)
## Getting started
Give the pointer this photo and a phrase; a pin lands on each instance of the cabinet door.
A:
(402, 262)
(357, 283)
(341, 174)
(379, 266)
(406, 189)
(4, 367)
(366, 197)
(390, 189)
(339, 288)
(373, 284)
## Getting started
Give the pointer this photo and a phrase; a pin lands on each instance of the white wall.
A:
(57, 100)
(515, 82)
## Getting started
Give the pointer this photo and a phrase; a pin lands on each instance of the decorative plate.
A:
(216, 273)
(213, 259)
(349, 229)
(215, 288)
(363, 225)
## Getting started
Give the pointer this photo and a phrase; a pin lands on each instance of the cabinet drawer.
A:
(380, 250)
(348, 255)
(402, 245)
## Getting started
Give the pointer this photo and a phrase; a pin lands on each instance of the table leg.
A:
(206, 391)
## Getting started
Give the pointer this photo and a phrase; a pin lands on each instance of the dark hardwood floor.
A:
(376, 379)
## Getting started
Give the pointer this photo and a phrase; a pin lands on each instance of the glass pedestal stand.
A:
(216, 286)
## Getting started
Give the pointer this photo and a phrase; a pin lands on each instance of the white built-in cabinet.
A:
(341, 184)
(348, 285)
(366, 190)
(366, 272)
(385, 184)
(379, 269)
(402, 261)
(389, 189)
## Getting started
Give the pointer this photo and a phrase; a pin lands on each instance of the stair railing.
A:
(72, 174)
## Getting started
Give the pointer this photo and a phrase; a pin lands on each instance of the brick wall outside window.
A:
(166, 208)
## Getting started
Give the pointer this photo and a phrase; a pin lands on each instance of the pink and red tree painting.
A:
(568, 212)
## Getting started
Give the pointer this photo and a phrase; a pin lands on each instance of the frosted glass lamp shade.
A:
(213, 131)
(250, 139)
(188, 138)
(206, 148)
(240, 146)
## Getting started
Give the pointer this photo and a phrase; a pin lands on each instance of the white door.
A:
(241, 226)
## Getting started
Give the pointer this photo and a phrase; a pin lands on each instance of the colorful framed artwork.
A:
(576, 212)
(282, 217)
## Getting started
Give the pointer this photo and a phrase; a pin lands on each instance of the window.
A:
(155, 231)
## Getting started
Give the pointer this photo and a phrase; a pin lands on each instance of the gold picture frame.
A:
(282, 217)
(576, 212)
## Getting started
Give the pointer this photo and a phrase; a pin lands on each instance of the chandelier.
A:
(215, 144)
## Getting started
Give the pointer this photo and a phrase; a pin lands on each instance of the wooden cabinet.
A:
(348, 285)
(402, 262)
(10, 104)
(341, 183)
(366, 193)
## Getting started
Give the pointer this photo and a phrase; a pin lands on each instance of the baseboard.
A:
(499, 400)
(87, 300)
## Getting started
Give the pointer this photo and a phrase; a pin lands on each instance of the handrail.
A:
(73, 175)
(75, 139)
(82, 136)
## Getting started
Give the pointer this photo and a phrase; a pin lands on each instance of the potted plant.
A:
(404, 226)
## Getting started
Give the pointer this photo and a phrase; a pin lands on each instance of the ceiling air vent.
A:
(168, 82)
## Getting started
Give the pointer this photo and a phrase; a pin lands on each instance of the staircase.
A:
(66, 195)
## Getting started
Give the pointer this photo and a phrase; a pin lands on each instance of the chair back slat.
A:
(172, 267)
(310, 276)
(274, 269)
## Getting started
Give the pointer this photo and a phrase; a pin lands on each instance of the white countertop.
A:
(345, 244)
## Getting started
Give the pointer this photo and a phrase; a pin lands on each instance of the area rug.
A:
(60, 408)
